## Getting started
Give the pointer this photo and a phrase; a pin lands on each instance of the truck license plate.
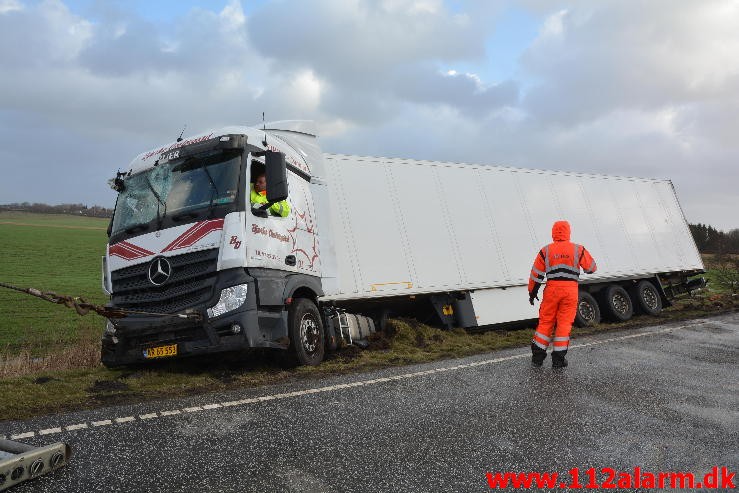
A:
(160, 351)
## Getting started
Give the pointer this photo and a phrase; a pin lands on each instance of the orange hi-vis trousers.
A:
(559, 305)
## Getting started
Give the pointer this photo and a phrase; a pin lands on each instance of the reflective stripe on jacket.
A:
(561, 261)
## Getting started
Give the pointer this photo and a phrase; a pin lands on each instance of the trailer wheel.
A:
(617, 303)
(647, 298)
(307, 339)
(588, 311)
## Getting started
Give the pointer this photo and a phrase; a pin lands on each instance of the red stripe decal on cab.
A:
(194, 234)
(128, 251)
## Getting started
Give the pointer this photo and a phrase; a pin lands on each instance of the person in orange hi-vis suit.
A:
(560, 263)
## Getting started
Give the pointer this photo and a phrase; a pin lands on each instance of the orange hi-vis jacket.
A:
(560, 264)
(561, 261)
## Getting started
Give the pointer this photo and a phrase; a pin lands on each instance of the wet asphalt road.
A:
(665, 400)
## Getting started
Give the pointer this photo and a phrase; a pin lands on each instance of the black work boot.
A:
(558, 359)
(538, 355)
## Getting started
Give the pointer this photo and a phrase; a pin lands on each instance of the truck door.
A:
(286, 243)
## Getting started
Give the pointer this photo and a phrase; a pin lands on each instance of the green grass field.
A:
(51, 253)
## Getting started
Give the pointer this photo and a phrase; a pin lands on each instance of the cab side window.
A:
(258, 194)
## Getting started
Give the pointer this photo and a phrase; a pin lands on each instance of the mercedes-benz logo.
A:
(159, 271)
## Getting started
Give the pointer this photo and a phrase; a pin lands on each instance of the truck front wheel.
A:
(307, 340)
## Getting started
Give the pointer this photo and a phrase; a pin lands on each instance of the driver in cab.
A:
(259, 196)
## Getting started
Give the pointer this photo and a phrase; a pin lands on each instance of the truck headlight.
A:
(231, 299)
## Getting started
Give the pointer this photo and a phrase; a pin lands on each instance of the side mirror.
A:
(276, 175)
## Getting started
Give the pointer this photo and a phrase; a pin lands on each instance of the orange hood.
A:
(561, 231)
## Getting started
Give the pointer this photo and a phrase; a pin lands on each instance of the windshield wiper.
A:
(215, 190)
(159, 199)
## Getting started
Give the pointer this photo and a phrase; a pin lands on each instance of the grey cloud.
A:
(357, 42)
(714, 121)
(41, 35)
(461, 91)
(114, 72)
(196, 43)
(374, 55)
(612, 55)
(136, 48)
(362, 107)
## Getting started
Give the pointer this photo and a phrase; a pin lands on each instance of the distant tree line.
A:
(710, 240)
(74, 209)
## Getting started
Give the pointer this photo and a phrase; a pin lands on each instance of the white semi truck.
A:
(207, 271)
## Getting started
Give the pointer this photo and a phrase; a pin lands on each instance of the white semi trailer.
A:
(365, 237)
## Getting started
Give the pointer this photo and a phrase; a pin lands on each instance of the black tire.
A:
(307, 338)
(588, 311)
(647, 298)
(617, 304)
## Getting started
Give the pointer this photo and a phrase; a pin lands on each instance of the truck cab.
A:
(197, 267)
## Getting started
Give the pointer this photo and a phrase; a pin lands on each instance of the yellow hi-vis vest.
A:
(281, 208)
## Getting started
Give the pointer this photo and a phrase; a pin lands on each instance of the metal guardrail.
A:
(20, 462)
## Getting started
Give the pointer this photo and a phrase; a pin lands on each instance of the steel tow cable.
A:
(83, 308)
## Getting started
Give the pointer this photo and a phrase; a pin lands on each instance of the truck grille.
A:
(190, 284)
(184, 335)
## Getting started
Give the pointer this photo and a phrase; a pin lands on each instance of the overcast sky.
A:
(636, 88)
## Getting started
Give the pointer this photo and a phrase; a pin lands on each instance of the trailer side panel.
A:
(409, 227)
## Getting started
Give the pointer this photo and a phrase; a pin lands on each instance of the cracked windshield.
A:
(181, 186)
